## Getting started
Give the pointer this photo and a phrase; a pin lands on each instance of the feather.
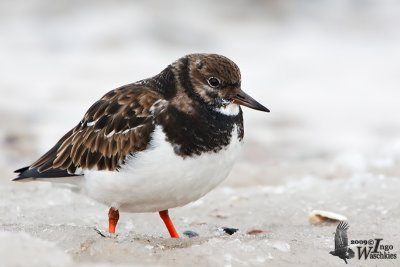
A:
(97, 142)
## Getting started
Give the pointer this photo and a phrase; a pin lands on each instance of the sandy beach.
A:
(329, 72)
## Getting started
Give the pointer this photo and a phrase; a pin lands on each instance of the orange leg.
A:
(168, 223)
(113, 216)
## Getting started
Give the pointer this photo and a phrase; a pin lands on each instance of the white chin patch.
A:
(230, 110)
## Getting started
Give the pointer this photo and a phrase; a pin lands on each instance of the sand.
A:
(328, 72)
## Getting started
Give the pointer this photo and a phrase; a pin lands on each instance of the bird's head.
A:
(215, 80)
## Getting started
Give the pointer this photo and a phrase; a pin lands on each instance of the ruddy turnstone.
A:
(155, 144)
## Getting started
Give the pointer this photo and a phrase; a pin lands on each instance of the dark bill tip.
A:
(245, 100)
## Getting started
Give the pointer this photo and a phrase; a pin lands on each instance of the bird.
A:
(342, 249)
(155, 144)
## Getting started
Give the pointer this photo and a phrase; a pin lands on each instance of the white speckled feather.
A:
(230, 110)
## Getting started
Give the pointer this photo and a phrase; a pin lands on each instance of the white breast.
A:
(158, 179)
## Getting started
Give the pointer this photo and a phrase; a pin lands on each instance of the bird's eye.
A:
(213, 82)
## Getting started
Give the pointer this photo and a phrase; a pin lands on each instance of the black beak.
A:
(244, 99)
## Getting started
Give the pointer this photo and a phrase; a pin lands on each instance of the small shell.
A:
(256, 232)
(320, 216)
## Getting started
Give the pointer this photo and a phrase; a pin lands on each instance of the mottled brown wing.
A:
(117, 125)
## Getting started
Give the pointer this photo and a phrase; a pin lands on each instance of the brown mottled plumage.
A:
(116, 125)
(121, 122)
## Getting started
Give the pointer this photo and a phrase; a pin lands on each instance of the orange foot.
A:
(113, 216)
(168, 223)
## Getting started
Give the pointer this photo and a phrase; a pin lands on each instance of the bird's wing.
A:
(117, 125)
(341, 240)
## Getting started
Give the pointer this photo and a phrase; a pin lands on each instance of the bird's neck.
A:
(165, 83)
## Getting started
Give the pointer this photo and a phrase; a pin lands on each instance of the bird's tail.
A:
(350, 253)
(28, 174)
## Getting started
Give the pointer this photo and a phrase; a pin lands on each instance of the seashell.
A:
(256, 232)
(320, 217)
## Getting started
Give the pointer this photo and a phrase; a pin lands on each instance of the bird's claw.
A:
(105, 234)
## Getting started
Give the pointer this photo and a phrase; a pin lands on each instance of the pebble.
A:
(230, 231)
(190, 233)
